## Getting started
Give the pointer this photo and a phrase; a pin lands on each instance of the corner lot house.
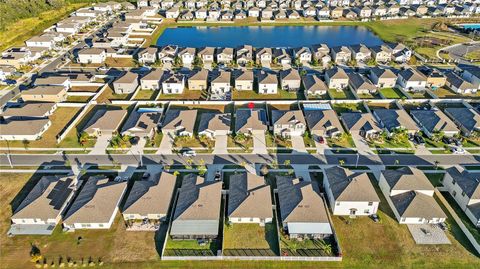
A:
(323, 122)
(142, 123)
(105, 122)
(302, 209)
(464, 187)
(288, 123)
(410, 195)
(179, 122)
(466, 118)
(250, 122)
(42, 208)
(350, 193)
(361, 124)
(197, 212)
(92, 56)
(55, 94)
(148, 202)
(249, 199)
(213, 124)
(393, 119)
(96, 205)
(126, 84)
(434, 120)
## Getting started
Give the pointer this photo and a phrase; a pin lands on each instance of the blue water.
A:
(471, 26)
(267, 36)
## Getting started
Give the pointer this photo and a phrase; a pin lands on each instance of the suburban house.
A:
(435, 78)
(290, 79)
(341, 54)
(55, 94)
(220, 83)
(54, 80)
(173, 83)
(336, 78)
(360, 53)
(179, 122)
(410, 195)
(148, 202)
(302, 209)
(382, 77)
(323, 123)
(288, 123)
(142, 123)
(30, 129)
(267, 83)
(464, 187)
(321, 54)
(126, 84)
(213, 124)
(198, 80)
(360, 84)
(411, 80)
(187, 55)
(92, 56)
(472, 75)
(314, 85)
(197, 211)
(395, 119)
(243, 80)
(249, 199)
(244, 55)
(42, 208)
(96, 204)
(251, 121)
(350, 193)
(459, 85)
(167, 54)
(381, 53)
(105, 122)
(207, 54)
(151, 81)
(42, 41)
(29, 110)
(362, 124)
(434, 120)
(224, 55)
(282, 56)
(264, 56)
(467, 119)
(303, 55)
(148, 55)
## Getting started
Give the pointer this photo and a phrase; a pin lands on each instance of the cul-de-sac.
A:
(240, 134)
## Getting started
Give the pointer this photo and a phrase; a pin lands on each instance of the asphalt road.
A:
(334, 159)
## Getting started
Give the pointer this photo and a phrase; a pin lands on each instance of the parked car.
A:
(321, 140)
(375, 218)
(189, 153)
(419, 139)
(458, 150)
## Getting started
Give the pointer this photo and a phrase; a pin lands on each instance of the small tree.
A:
(26, 143)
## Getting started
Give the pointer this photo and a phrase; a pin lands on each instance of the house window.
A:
(100, 225)
(370, 203)
(367, 211)
(338, 203)
(251, 219)
(403, 219)
(239, 219)
(453, 181)
(463, 193)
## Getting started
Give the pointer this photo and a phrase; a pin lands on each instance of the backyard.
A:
(250, 236)
(254, 95)
(186, 95)
(341, 94)
(392, 93)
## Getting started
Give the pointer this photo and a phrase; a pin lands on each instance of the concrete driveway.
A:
(298, 145)
(166, 144)
(220, 144)
(321, 148)
(101, 145)
(362, 146)
(138, 148)
(259, 143)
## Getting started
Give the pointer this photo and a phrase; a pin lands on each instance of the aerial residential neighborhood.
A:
(240, 134)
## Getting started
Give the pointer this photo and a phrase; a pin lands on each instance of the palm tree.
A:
(341, 162)
(286, 162)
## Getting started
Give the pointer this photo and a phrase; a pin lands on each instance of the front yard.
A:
(343, 141)
(277, 141)
(250, 236)
(193, 142)
(240, 141)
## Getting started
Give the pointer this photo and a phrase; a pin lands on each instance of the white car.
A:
(189, 153)
(458, 150)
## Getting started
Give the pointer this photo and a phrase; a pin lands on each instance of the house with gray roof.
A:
(410, 195)
(336, 78)
(214, 124)
(179, 122)
(467, 119)
(323, 123)
(382, 77)
(395, 119)
(105, 122)
(267, 83)
(249, 199)
(148, 202)
(359, 123)
(361, 84)
(290, 79)
(411, 80)
(314, 85)
(126, 83)
(31, 110)
(41, 210)
(198, 80)
(96, 204)
(197, 210)
(288, 123)
(142, 123)
(302, 209)
(464, 187)
(243, 80)
(459, 85)
(433, 120)
(350, 193)
(151, 81)
(251, 121)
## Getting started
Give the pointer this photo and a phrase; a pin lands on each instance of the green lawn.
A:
(468, 223)
(392, 93)
(389, 143)
(254, 95)
(245, 145)
(145, 95)
(348, 107)
(445, 93)
(193, 142)
(344, 141)
(185, 244)
(186, 95)
(277, 141)
(250, 236)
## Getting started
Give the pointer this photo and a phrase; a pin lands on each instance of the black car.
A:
(419, 140)
(375, 218)
(447, 140)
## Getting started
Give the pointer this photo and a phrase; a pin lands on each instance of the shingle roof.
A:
(467, 181)
(249, 196)
(287, 116)
(44, 90)
(154, 74)
(314, 83)
(214, 121)
(434, 120)
(127, 77)
(142, 122)
(336, 73)
(412, 75)
(467, 117)
(290, 74)
(322, 120)
(267, 78)
(407, 178)
(105, 120)
(250, 119)
(383, 72)
(23, 127)
(359, 82)
(395, 118)
(358, 121)
(201, 74)
(350, 186)
(175, 118)
(414, 204)
(29, 110)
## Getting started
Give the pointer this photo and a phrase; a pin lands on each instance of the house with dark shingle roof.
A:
(302, 209)
(213, 124)
(393, 119)
(197, 211)
(359, 123)
(464, 187)
(350, 193)
(179, 122)
(323, 122)
(434, 120)
(466, 118)
(410, 195)
(288, 123)
(361, 84)
(249, 121)
(249, 199)
(411, 80)
(314, 85)
(459, 85)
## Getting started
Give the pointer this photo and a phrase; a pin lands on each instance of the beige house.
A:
(198, 80)
(288, 123)
(105, 122)
(336, 78)
(243, 80)
(323, 122)
(55, 94)
(382, 78)
(30, 130)
(151, 81)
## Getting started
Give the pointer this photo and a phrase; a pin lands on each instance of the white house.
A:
(92, 56)
(173, 84)
(288, 123)
(220, 83)
(187, 55)
(267, 83)
(350, 193)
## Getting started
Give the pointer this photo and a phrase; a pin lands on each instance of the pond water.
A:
(267, 36)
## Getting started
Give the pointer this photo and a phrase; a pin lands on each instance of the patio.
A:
(428, 234)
